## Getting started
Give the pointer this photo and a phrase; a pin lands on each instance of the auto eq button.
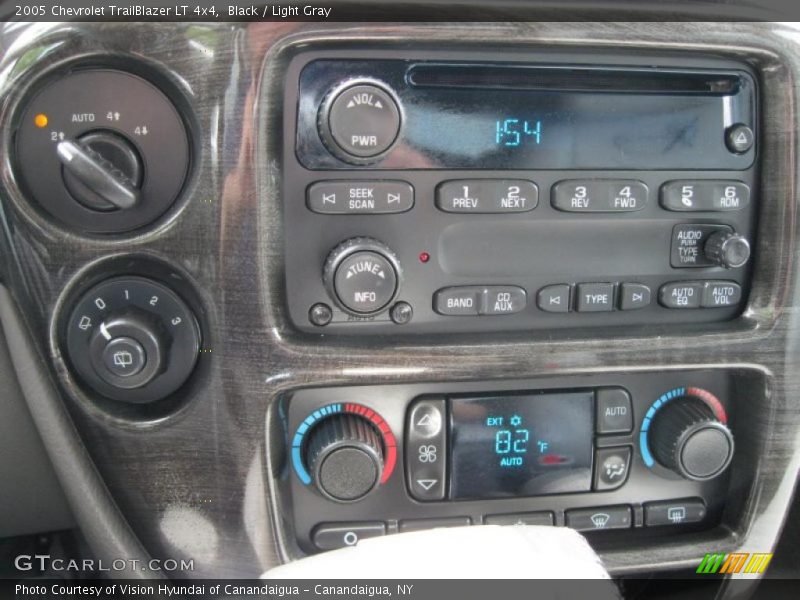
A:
(487, 196)
(681, 294)
(360, 197)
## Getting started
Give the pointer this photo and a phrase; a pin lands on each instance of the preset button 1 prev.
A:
(487, 196)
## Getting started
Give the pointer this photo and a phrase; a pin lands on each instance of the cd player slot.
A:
(571, 79)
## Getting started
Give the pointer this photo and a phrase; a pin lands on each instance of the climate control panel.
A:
(595, 453)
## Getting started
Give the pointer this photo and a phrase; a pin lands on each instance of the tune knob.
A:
(345, 457)
(727, 249)
(359, 121)
(362, 275)
(688, 437)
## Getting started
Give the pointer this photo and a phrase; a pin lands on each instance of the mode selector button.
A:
(426, 444)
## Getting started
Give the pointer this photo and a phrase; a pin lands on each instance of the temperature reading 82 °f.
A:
(514, 132)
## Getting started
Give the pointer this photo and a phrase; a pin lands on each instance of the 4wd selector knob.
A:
(345, 455)
(687, 437)
(362, 275)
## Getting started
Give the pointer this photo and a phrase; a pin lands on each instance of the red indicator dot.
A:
(424, 257)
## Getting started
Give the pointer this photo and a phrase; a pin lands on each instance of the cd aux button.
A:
(487, 196)
(602, 195)
(476, 300)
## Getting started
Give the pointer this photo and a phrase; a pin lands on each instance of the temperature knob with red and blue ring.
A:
(685, 430)
(345, 450)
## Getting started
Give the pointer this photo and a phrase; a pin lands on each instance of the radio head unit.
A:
(431, 195)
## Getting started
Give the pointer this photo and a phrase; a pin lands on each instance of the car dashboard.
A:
(272, 288)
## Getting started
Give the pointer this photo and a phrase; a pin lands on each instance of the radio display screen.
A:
(458, 116)
(521, 445)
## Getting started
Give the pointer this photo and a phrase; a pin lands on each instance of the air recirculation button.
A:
(132, 339)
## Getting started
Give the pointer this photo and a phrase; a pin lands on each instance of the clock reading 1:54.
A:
(515, 132)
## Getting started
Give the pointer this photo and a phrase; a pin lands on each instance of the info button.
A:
(360, 197)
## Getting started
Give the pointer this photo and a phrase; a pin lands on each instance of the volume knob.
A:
(362, 275)
(359, 121)
(689, 439)
(345, 456)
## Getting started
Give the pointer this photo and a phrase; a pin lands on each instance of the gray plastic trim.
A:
(96, 513)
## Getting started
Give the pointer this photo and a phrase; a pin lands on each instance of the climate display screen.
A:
(521, 445)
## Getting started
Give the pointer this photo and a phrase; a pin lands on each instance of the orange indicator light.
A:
(40, 120)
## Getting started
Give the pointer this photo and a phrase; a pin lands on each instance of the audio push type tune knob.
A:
(727, 249)
(345, 450)
(686, 431)
(132, 339)
(362, 275)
